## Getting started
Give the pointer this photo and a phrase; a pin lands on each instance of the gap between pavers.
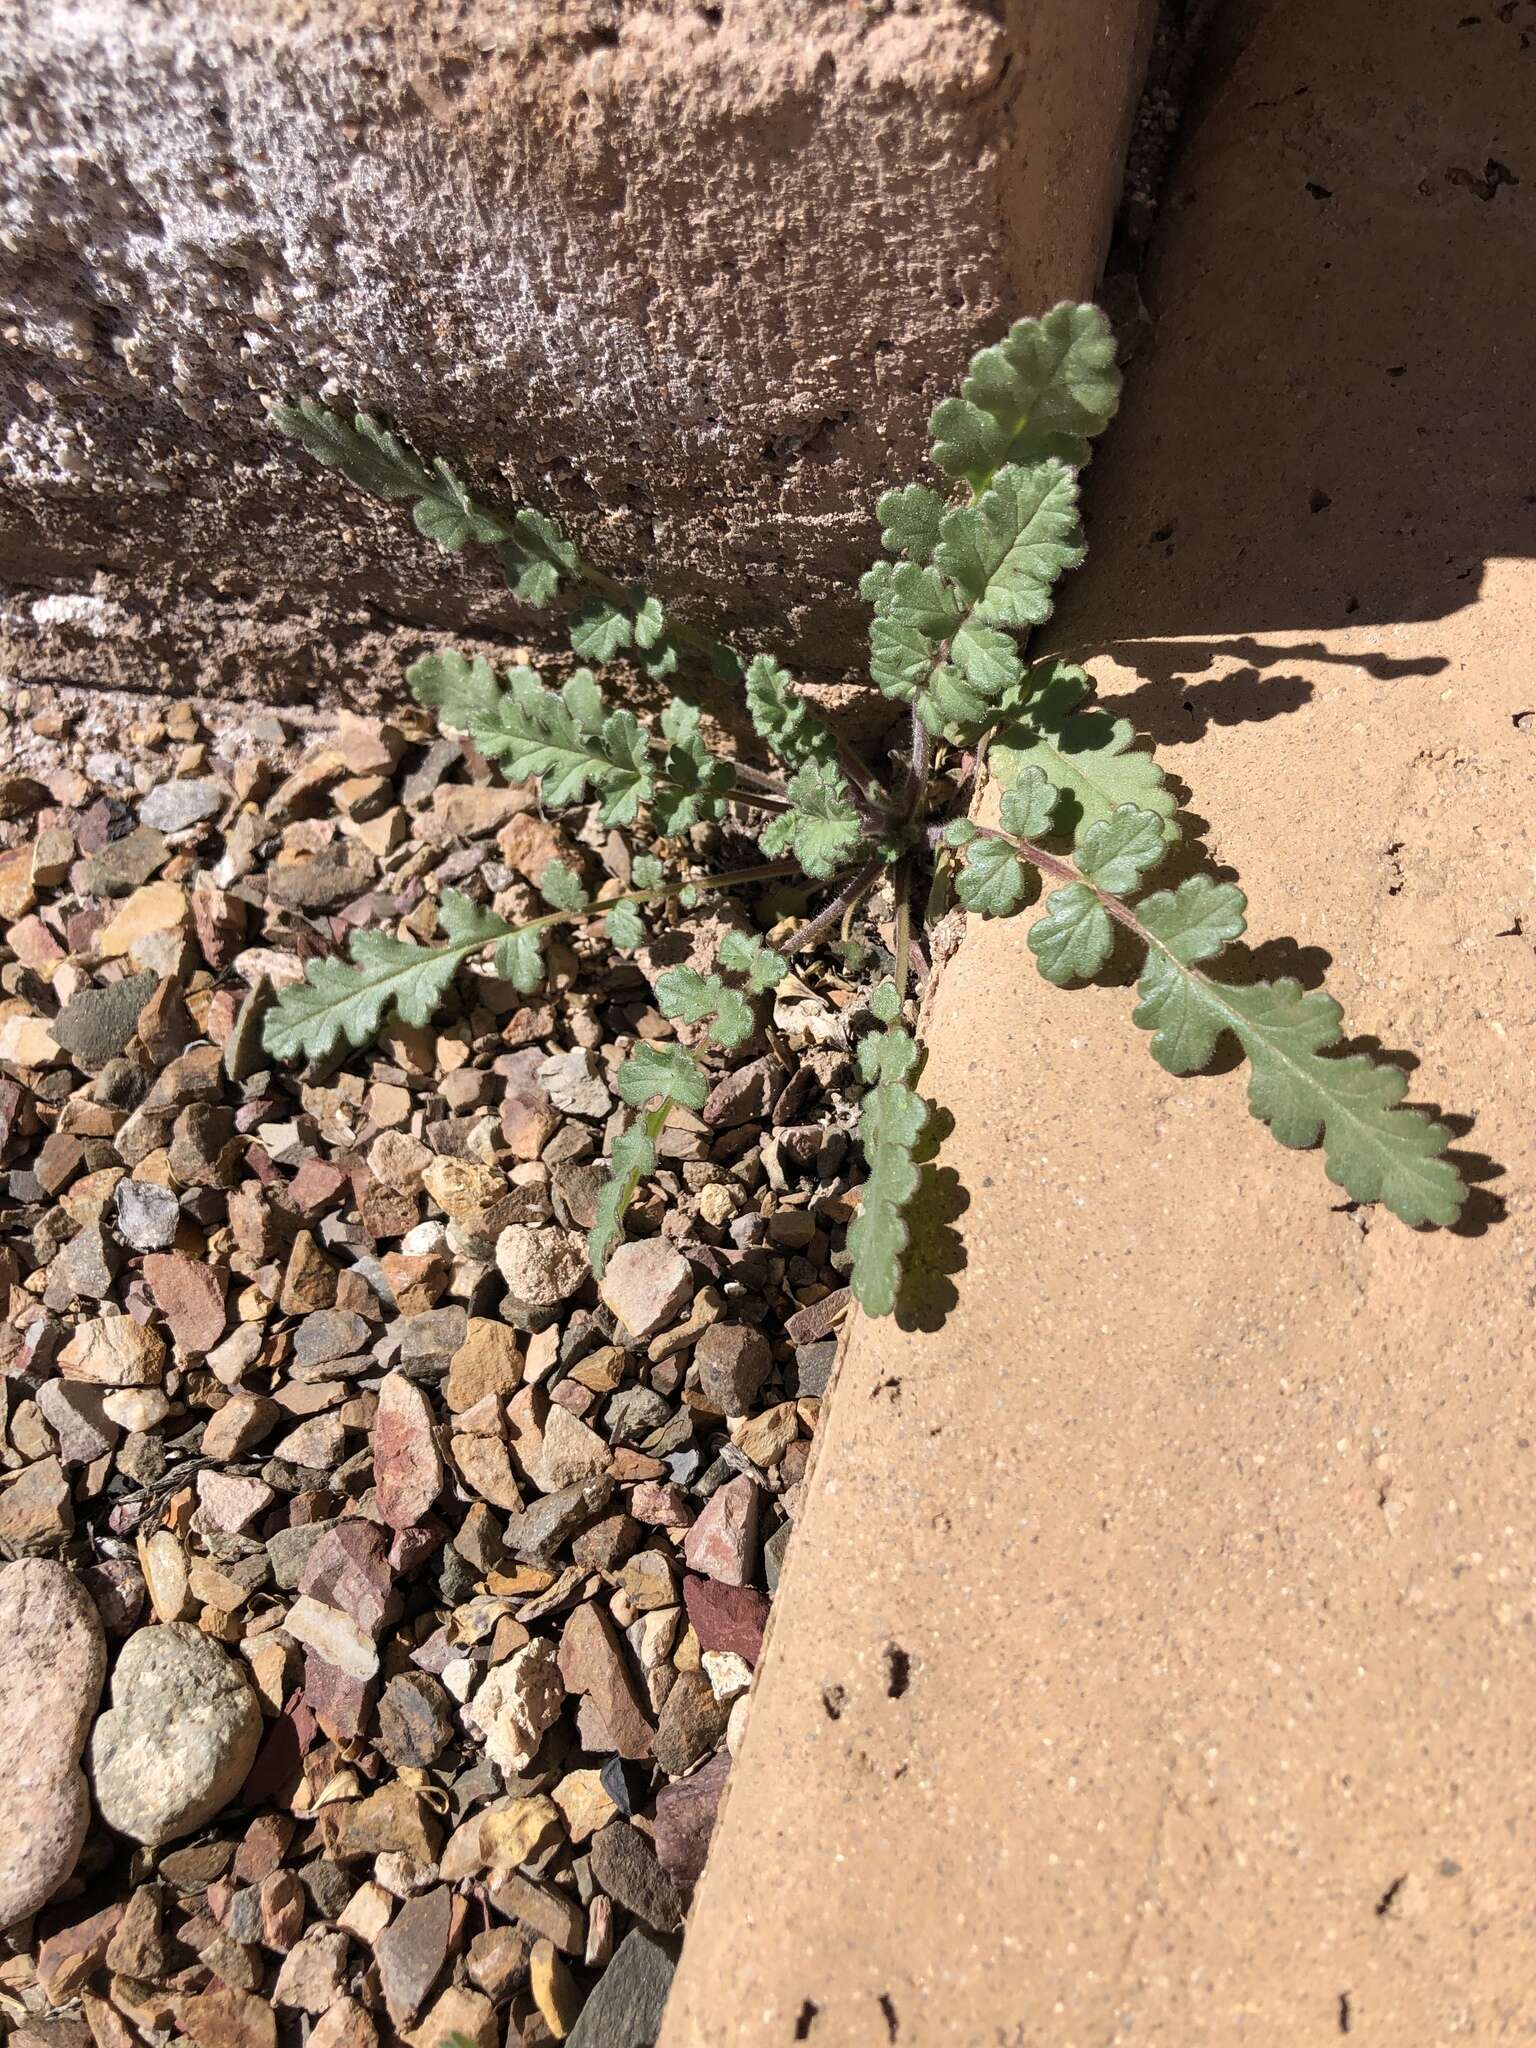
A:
(1154, 1661)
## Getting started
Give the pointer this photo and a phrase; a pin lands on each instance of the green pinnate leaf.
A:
(633, 1157)
(782, 719)
(648, 871)
(1043, 391)
(561, 886)
(1088, 756)
(1029, 807)
(1197, 919)
(348, 1000)
(1072, 941)
(885, 1002)
(909, 522)
(520, 959)
(465, 923)
(745, 954)
(1005, 551)
(365, 452)
(704, 999)
(658, 654)
(600, 629)
(1118, 850)
(891, 1125)
(669, 1070)
(567, 742)
(890, 1055)
(1372, 1148)
(822, 828)
(449, 514)
(993, 882)
(650, 623)
(535, 557)
(960, 832)
(692, 784)
(989, 661)
(624, 927)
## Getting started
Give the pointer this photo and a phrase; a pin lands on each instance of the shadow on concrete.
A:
(1345, 456)
(935, 1249)
(1350, 453)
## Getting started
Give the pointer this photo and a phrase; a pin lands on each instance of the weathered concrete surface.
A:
(1206, 1520)
(689, 276)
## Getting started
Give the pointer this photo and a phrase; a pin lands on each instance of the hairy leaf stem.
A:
(847, 898)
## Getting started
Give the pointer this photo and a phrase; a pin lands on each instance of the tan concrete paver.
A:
(1204, 1526)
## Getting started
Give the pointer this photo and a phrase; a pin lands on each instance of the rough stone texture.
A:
(1211, 1554)
(50, 1679)
(692, 278)
(179, 1738)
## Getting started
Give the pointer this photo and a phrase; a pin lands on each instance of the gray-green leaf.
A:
(1087, 755)
(1118, 850)
(909, 522)
(1029, 807)
(1042, 391)
(1073, 939)
(993, 881)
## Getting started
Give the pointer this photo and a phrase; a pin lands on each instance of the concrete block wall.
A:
(689, 275)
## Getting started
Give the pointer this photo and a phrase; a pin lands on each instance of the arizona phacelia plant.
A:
(968, 572)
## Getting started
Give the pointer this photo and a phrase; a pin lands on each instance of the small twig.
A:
(902, 885)
(757, 778)
(753, 799)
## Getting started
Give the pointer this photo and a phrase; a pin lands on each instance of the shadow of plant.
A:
(935, 1249)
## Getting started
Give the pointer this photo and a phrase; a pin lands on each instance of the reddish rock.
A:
(685, 1818)
(68, 1960)
(726, 1617)
(407, 1471)
(349, 1569)
(225, 2018)
(592, 1663)
(411, 1952)
(722, 1544)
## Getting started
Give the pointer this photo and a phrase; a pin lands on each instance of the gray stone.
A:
(743, 1096)
(813, 1369)
(691, 1724)
(412, 1950)
(633, 1413)
(74, 1412)
(173, 806)
(539, 1531)
(178, 1740)
(99, 1022)
(734, 1362)
(84, 1270)
(54, 1659)
(574, 1084)
(773, 1554)
(329, 1333)
(123, 865)
(624, 1864)
(334, 875)
(147, 1215)
(626, 2007)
